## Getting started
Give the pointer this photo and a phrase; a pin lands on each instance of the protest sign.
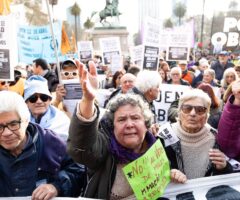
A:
(175, 53)
(109, 47)
(36, 42)
(85, 49)
(149, 174)
(151, 44)
(225, 32)
(137, 55)
(73, 94)
(168, 94)
(6, 55)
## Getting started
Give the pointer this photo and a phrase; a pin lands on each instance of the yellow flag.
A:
(65, 46)
(5, 7)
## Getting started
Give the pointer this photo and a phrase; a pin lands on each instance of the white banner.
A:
(168, 94)
(220, 187)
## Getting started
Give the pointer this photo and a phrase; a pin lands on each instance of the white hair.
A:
(147, 79)
(13, 102)
(176, 69)
(195, 94)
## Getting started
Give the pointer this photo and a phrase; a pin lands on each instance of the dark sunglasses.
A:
(34, 98)
(200, 110)
(70, 74)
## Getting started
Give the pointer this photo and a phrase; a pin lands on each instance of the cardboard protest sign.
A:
(150, 174)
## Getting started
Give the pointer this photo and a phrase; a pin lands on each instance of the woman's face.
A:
(129, 127)
(192, 120)
(175, 76)
(207, 78)
(230, 77)
(118, 80)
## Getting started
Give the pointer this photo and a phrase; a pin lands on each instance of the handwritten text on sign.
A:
(149, 174)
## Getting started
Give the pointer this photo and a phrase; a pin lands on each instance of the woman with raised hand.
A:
(122, 137)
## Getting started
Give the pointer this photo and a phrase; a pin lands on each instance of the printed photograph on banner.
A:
(175, 53)
(73, 94)
(150, 59)
(85, 49)
(109, 46)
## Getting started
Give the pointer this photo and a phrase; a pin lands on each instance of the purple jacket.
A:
(228, 136)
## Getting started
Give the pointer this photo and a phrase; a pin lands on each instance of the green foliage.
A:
(179, 11)
(168, 23)
(75, 10)
(88, 24)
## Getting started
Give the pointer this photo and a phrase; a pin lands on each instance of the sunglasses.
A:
(34, 98)
(66, 74)
(200, 110)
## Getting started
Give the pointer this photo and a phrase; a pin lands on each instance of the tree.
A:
(53, 3)
(168, 23)
(76, 10)
(179, 11)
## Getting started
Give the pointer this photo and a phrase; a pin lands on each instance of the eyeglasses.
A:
(67, 74)
(200, 110)
(12, 126)
(34, 98)
(175, 74)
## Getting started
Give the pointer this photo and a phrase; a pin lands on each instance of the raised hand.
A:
(88, 80)
(89, 83)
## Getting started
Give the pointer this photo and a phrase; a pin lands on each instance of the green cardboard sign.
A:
(150, 174)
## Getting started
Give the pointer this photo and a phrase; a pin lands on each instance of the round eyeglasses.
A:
(12, 126)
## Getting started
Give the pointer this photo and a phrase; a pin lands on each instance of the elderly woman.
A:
(209, 77)
(175, 75)
(190, 142)
(122, 138)
(229, 125)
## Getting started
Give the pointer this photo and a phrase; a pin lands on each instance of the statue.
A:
(110, 10)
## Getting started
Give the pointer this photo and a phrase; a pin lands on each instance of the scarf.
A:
(124, 155)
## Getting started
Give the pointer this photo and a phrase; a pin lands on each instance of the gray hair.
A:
(13, 102)
(128, 99)
(195, 94)
(176, 69)
(147, 79)
(211, 72)
(228, 71)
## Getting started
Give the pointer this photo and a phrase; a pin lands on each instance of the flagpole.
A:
(54, 42)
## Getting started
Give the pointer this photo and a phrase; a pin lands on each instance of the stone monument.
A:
(110, 27)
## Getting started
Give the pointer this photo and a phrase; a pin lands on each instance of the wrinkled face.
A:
(129, 127)
(207, 78)
(40, 104)
(192, 120)
(127, 82)
(69, 72)
(175, 76)
(12, 140)
(223, 58)
(153, 93)
(230, 77)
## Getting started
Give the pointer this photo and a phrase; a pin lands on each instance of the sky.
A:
(129, 9)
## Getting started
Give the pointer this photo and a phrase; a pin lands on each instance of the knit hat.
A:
(36, 84)
(222, 192)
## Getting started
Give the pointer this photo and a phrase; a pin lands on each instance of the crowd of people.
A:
(48, 150)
